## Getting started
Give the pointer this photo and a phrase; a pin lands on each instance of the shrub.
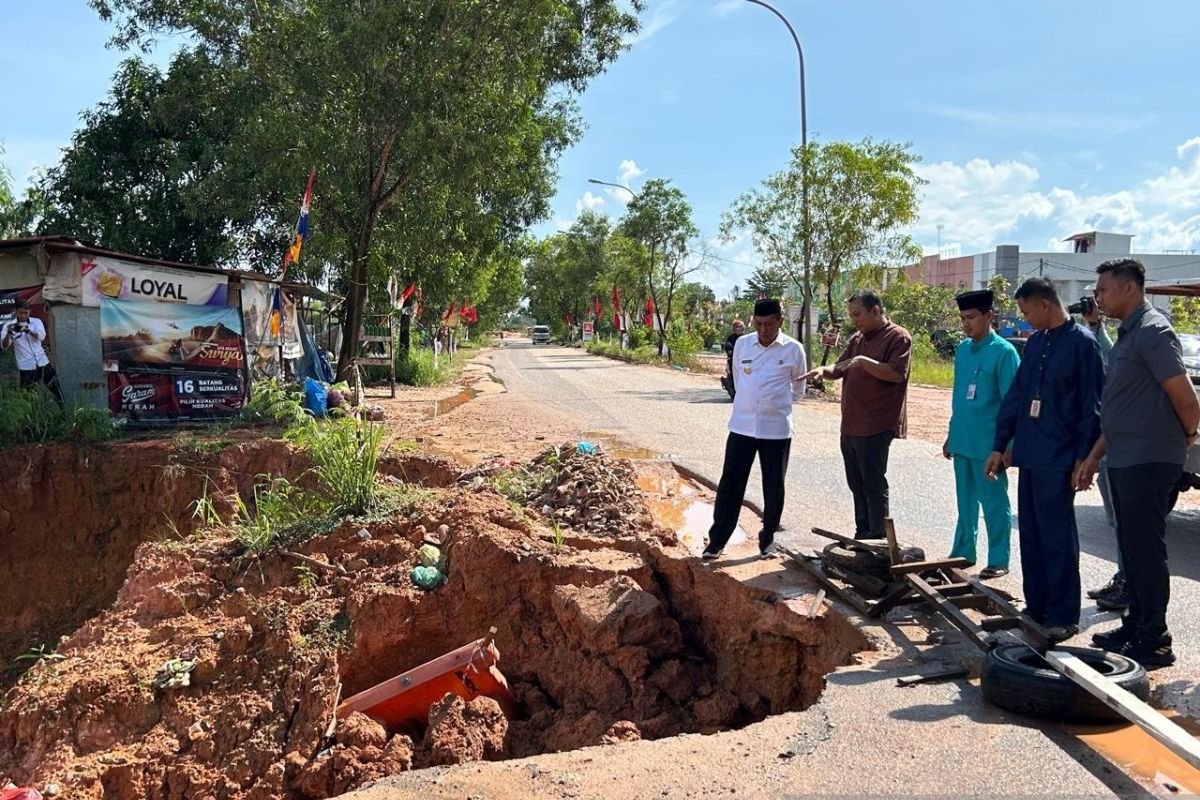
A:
(273, 402)
(345, 455)
(30, 416)
(683, 344)
(281, 513)
(415, 367)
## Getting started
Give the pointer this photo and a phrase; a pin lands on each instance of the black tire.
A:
(867, 563)
(1017, 679)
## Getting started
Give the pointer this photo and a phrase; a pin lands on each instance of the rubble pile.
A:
(589, 491)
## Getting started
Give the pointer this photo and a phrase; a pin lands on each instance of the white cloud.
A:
(627, 171)
(664, 13)
(981, 204)
(589, 202)
(727, 7)
(1043, 121)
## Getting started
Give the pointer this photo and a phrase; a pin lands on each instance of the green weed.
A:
(273, 402)
(30, 416)
(345, 455)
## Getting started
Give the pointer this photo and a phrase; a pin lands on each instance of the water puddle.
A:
(679, 505)
(619, 449)
(1140, 754)
(447, 404)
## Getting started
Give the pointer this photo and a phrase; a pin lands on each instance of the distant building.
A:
(1073, 273)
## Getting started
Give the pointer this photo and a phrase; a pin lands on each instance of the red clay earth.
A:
(603, 638)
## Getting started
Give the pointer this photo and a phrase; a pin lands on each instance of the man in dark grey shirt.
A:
(1148, 416)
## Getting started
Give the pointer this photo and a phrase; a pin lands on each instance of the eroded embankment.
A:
(599, 643)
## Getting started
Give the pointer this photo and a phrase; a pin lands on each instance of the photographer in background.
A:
(1112, 596)
(25, 336)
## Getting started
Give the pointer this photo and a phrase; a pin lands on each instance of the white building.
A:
(1073, 273)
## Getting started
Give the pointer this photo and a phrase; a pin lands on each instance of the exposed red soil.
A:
(601, 642)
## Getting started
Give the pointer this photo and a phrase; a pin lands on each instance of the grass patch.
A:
(30, 416)
(346, 455)
(928, 368)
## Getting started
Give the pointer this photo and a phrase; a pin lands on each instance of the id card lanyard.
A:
(971, 386)
(1035, 406)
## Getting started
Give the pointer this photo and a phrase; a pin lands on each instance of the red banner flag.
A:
(412, 287)
(598, 306)
(648, 317)
(616, 303)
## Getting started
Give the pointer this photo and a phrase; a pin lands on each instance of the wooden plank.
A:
(999, 623)
(975, 601)
(815, 570)
(889, 530)
(853, 544)
(891, 600)
(925, 566)
(1166, 732)
(953, 615)
(374, 362)
(816, 603)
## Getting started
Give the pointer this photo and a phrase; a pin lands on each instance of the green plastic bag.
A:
(427, 577)
(429, 556)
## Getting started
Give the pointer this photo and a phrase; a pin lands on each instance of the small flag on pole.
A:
(292, 254)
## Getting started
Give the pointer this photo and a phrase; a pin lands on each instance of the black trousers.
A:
(866, 459)
(1140, 495)
(1049, 546)
(45, 375)
(739, 458)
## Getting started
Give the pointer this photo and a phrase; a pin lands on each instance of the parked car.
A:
(540, 334)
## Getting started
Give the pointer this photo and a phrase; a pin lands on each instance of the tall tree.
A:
(861, 197)
(434, 124)
(660, 219)
(768, 281)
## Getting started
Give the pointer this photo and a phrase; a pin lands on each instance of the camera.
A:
(1085, 306)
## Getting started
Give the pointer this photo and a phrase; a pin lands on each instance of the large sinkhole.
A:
(601, 640)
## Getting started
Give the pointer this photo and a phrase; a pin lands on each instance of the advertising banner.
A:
(587, 332)
(122, 280)
(167, 334)
(168, 361)
(175, 395)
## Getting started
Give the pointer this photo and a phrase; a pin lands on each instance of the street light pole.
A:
(805, 333)
(636, 196)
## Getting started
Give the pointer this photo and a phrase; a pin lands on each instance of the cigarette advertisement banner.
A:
(123, 280)
(168, 361)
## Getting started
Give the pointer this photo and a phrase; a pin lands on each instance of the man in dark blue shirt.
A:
(1050, 418)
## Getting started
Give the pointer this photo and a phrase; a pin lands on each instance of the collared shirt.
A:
(983, 373)
(1139, 422)
(872, 405)
(766, 387)
(27, 345)
(1062, 370)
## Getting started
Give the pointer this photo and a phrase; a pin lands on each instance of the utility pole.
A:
(805, 333)
(1041, 267)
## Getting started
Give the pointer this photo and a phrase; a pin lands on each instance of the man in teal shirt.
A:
(984, 368)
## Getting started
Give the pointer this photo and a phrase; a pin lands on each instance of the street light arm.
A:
(636, 196)
(800, 54)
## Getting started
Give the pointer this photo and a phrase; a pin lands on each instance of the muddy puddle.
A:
(444, 405)
(617, 448)
(1138, 753)
(680, 506)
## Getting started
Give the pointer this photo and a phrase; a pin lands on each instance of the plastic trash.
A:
(429, 556)
(11, 792)
(427, 577)
(587, 448)
(315, 397)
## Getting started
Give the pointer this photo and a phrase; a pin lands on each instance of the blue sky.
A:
(1034, 119)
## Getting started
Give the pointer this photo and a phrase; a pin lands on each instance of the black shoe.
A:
(1060, 633)
(1114, 585)
(1113, 640)
(1150, 657)
(1114, 601)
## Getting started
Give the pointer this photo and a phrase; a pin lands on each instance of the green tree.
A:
(434, 126)
(1185, 314)
(768, 281)
(149, 171)
(861, 196)
(920, 307)
(660, 219)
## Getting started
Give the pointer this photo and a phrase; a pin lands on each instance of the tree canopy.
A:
(434, 126)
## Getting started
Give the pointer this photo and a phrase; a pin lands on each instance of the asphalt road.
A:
(685, 416)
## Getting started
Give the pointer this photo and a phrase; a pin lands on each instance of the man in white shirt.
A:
(25, 335)
(767, 370)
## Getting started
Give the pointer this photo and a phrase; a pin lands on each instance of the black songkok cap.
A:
(766, 308)
(981, 300)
